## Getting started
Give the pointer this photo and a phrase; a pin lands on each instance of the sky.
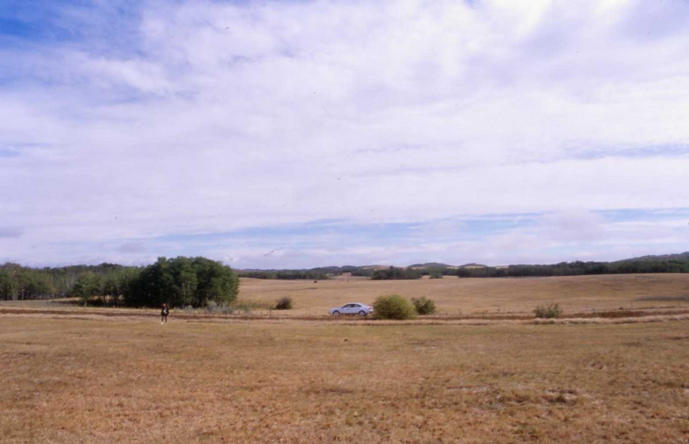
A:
(290, 134)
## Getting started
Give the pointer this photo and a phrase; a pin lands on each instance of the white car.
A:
(353, 308)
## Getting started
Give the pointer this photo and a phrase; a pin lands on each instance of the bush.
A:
(548, 311)
(214, 307)
(284, 304)
(393, 307)
(423, 305)
(435, 273)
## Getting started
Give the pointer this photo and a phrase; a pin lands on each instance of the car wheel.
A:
(336, 313)
(362, 313)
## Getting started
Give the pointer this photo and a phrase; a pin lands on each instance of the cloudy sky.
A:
(307, 133)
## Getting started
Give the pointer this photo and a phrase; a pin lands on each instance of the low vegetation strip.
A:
(183, 315)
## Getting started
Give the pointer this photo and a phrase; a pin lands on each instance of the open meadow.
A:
(72, 374)
(457, 297)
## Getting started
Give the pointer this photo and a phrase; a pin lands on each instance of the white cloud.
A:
(221, 116)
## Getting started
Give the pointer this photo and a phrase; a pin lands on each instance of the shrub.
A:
(435, 273)
(284, 304)
(548, 311)
(393, 307)
(423, 305)
(214, 307)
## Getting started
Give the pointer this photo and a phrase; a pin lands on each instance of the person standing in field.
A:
(163, 313)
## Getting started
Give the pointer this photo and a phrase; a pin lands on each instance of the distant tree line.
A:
(284, 274)
(643, 265)
(18, 283)
(397, 273)
(179, 282)
(104, 287)
(675, 263)
(196, 281)
(319, 273)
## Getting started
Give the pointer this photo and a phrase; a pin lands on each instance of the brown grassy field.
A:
(129, 379)
(454, 296)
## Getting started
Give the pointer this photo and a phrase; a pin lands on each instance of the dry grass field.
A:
(458, 297)
(90, 378)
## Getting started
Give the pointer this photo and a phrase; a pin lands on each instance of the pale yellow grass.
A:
(136, 381)
(454, 296)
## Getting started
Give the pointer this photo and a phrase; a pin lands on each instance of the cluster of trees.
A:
(17, 283)
(396, 273)
(64, 278)
(179, 282)
(437, 272)
(105, 287)
(183, 281)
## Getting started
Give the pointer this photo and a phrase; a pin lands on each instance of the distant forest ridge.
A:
(669, 263)
(193, 284)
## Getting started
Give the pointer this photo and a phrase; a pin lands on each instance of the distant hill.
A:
(662, 257)
(473, 265)
(374, 267)
(431, 265)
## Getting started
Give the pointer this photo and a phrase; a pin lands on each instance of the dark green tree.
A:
(183, 281)
(9, 289)
(186, 282)
(88, 284)
(216, 282)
